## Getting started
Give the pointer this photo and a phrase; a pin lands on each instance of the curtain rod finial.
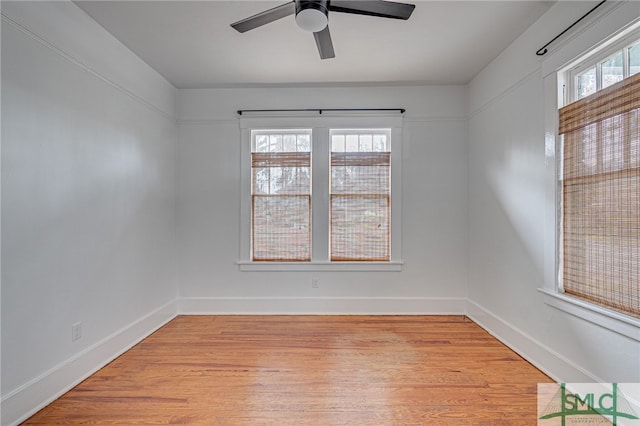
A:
(543, 49)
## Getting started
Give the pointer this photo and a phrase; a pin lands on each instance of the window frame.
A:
(257, 195)
(596, 146)
(320, 126)
(558, 71)
(336, 194)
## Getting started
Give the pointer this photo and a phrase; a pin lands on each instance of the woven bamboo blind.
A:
(281, 206)
(360, 206)
(601, 197)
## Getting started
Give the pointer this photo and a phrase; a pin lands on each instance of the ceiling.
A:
(192, 44)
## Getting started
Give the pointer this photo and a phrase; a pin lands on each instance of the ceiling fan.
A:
(313, 16)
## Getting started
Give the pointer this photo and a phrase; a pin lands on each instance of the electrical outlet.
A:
(315, 282)
(76, 331)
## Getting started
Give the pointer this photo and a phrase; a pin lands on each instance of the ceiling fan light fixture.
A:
(312, 16)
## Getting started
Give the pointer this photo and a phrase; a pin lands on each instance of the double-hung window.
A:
(281, 195)
(600, 180)
(320, 193)
(360, 195)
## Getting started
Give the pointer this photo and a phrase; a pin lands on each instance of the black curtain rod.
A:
(321, 110)
(543, 49)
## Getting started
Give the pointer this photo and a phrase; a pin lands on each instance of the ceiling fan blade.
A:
(324, 43)
(265, 17)
(383, 9)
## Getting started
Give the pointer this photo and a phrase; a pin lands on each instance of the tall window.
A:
(601, 188)
(321, 193)
(360, 195)
(281, 195)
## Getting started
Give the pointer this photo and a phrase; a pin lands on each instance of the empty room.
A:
(322, 212)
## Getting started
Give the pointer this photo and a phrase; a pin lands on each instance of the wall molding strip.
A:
(77, 62)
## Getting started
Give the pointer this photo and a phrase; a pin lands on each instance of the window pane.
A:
(261, 178)
(289, 143)
(290, 180)
(602, 253)
(337, 143)
(275, 143)
(356, 179)
(281, 228)
(586, 83)
(359, 228)
(281, 174)
(352, 143)
(262, 143)
(366, 143)
(612, 70)
(380, 143)
(304, 143)
(613, 144)
(634, 59)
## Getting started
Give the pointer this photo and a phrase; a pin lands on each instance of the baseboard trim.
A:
(25, 401)
(29, 398)
(321, 305)
(542, 357)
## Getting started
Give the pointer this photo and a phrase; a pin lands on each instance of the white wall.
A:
(88, 142)
(512, 205)
(91, 169)
(434, 206)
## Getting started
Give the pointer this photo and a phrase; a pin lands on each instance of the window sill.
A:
(622, 324)
(321, 266)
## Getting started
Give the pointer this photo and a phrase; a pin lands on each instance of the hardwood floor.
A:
(308, 370)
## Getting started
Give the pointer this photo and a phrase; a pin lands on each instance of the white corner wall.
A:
(434, 194)
(116, 217)
(512, 205)
(88, 140)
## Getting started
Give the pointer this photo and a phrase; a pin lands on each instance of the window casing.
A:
(352, 194)
(617, 24)
(600, 179)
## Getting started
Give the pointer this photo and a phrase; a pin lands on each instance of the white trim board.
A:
(34, 395)
(321, 305)
(539, 355)
(608, 319)
(129, 86)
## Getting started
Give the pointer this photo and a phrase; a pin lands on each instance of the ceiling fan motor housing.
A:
(312, 15)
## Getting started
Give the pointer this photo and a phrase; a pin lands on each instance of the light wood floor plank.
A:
(308, 370)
